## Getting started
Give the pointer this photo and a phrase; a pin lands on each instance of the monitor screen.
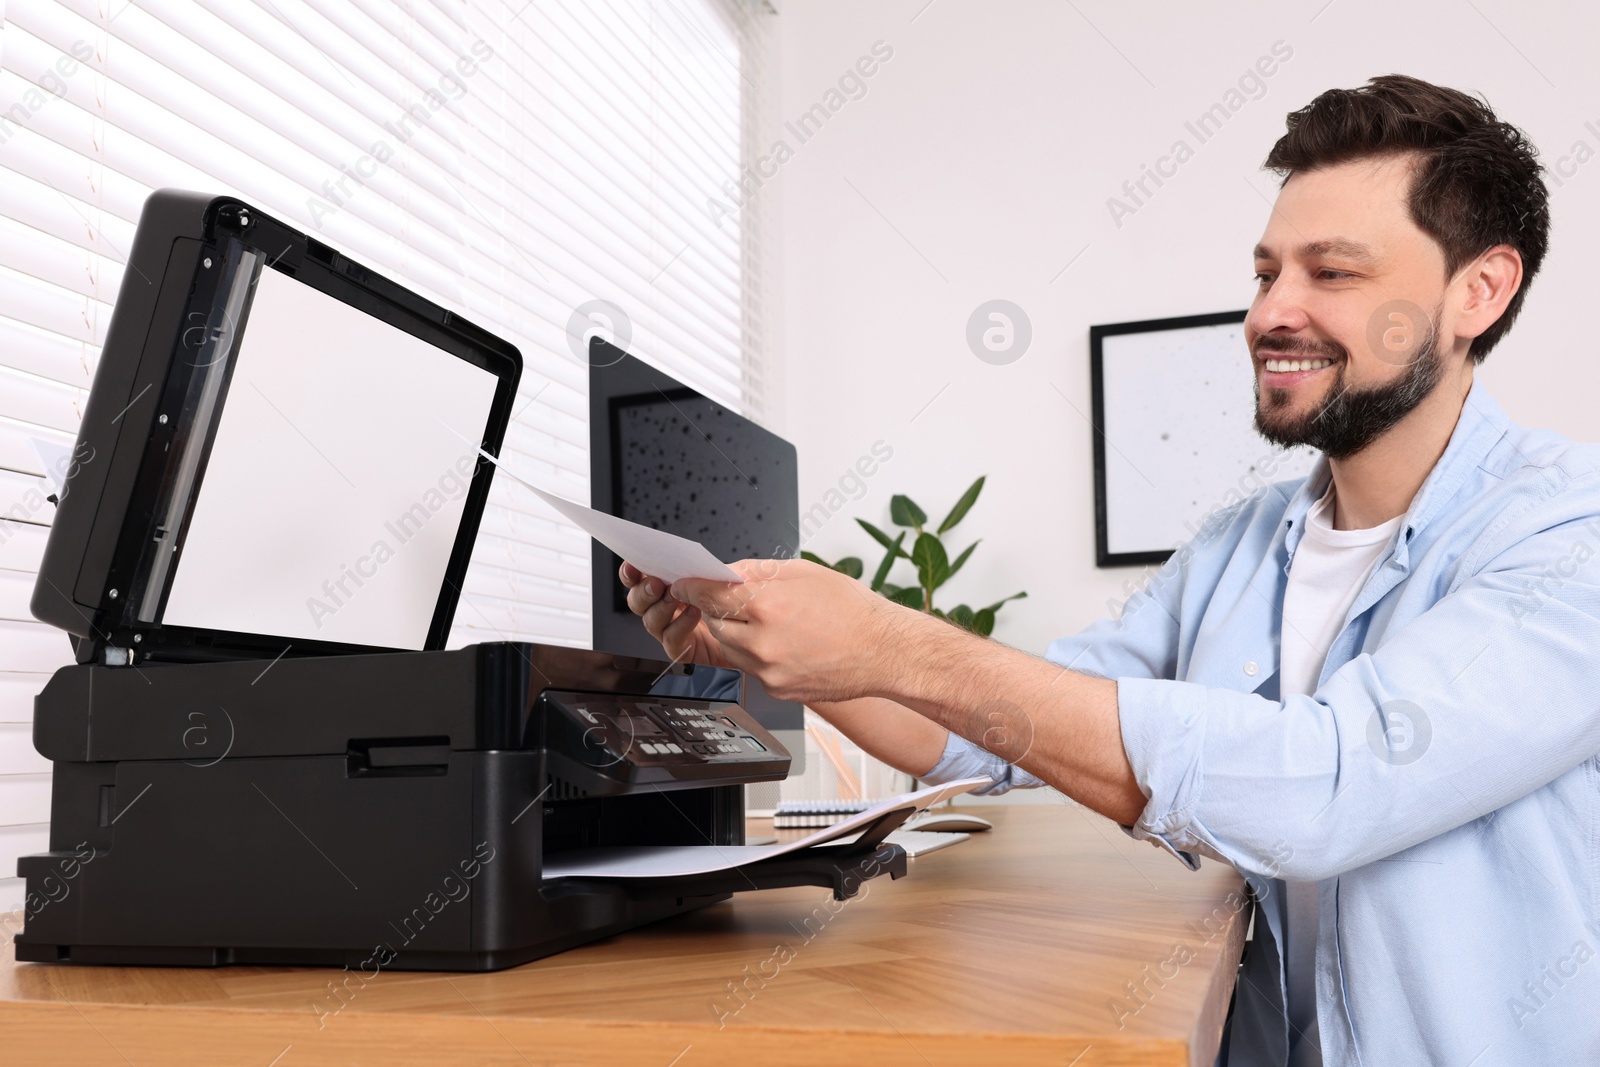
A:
(335, 484)
(668, 457)
(686, 464)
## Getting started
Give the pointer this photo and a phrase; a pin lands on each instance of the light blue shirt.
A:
(1441, 785)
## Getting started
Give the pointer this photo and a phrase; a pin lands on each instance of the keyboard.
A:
(920, 842)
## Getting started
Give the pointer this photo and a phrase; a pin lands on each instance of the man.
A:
(1375, 692)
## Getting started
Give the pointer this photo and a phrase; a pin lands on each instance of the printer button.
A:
(672, 747)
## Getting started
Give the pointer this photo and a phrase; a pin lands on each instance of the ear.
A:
(1486, 286)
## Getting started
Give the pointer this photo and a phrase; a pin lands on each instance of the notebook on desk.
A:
(815, 814)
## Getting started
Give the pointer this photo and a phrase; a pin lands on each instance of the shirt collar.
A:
(1480, 427)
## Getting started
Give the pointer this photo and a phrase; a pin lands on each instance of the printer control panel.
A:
(648, 738)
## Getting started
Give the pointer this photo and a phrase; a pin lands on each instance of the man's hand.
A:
(808, 632)
(678, 626)
(897, 735)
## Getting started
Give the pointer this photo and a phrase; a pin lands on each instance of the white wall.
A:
(988, 146)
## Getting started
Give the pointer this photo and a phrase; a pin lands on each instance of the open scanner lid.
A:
(278, 451)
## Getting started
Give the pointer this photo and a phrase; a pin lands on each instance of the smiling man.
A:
(1375, 692)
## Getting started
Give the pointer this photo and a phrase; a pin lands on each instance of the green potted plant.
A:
(928, 555)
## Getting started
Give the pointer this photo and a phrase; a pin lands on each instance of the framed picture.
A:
(1174, 433)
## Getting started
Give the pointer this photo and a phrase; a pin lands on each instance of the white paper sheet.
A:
(56, 460)
(665, 861)
(655, 552)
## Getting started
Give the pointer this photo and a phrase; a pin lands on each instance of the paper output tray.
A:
(841, 868)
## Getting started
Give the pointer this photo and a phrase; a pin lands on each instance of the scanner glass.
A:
(335, 484)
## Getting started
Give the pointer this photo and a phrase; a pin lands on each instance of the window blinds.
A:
(546, 168)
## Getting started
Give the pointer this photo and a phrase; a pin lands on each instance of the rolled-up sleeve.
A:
(1140, 640)
(963, 759)
(1486, 696)
(1153, 713)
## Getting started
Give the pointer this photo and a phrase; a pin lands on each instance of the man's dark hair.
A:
(1476, 181)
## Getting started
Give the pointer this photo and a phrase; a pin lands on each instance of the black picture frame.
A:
(1104, 557)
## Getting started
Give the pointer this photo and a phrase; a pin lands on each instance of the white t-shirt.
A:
(1330, 567)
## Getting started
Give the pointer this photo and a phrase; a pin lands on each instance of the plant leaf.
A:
(963, 505)
(903, 511)
(936, 613)
(895, 552)
(850, 565)
(910, 596)
(983, 622)
(965, 552)
(813, 557)
(961, 615)
(877, 534)
(992, 608)
(933, 566)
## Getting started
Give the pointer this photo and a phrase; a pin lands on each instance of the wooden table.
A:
(1054, 939)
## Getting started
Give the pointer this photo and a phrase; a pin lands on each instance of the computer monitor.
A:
(666, 456)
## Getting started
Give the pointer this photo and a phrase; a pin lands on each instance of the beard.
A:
(1349, 419)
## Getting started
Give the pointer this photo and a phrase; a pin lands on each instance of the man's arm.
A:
(1498, 678)
(1056, 724)
(887, 731)
(1141, 641)
(813, 634)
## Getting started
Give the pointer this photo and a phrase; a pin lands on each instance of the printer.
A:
(264, 752)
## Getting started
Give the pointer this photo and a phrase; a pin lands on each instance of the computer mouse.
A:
(950, 822)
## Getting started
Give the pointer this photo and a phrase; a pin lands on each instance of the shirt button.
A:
(1250, 668)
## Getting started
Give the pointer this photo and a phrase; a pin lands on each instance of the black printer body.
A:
(265, 753)
(388, 810)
